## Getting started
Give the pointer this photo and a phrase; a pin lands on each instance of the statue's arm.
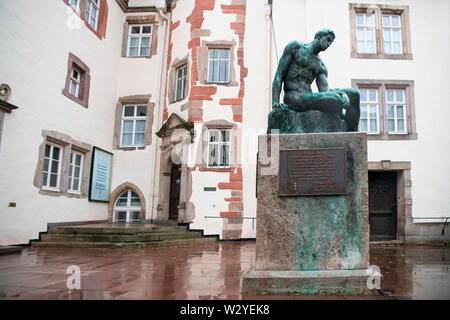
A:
(283, 66)
(322, 86)
(321, 79)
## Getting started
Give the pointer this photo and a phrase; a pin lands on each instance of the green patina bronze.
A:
(304, 111)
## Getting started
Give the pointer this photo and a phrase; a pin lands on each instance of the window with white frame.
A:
(75, 80)
(75, 171)
(380, 31)
(127, 207)
(219, 148)
(387, 109)
(396, 111)
(92, 10)
(139, 40)
(392, 34)
(181, 73)
(369, 118)
(365, 33)
(51, 171)
(133, 126)
(218, 65)
(74, 4)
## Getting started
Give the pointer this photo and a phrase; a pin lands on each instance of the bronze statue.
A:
(299, 66)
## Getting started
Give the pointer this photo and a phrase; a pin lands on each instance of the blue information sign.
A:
(100, 175)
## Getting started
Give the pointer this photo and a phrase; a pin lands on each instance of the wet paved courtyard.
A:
(210, 270)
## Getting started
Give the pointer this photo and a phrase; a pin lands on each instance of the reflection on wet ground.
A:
(199, 271)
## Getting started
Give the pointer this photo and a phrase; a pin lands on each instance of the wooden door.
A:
(175, 179)
(383, 205)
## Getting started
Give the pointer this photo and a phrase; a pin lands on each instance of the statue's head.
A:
(324, 38)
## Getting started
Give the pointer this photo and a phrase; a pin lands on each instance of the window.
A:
(181, 73)
(218, 65)
(380, 31)
(75, 170)
(92, 11)
(133, 125)
(219, 148)
(369, 111)
(387, 109)
(77, 81)
(127, 207)
(51, 171)
(396, 107)
(94, 14)
(133, 119)
(392, 34)
(365, 33)
(139, 41)
(60, 170)
(74, 4)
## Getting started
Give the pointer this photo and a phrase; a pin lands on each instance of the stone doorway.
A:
(174, 177)
(383, 206)
(174, 199)
(402, 172)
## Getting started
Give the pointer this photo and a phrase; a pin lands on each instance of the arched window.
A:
(127, 207)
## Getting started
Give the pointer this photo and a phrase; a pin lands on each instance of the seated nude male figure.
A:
(299, 66)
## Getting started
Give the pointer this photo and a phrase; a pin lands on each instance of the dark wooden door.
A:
(175, 179)
(383, 205)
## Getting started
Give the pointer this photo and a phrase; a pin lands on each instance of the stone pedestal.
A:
(311, 244)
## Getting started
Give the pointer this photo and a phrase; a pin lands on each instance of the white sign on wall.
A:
(100, 175)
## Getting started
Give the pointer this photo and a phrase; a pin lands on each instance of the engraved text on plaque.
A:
(313, 172)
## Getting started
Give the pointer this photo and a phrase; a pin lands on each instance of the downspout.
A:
(161, 7)
(268, 12)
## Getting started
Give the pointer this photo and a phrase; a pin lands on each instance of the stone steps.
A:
(139, 237)
(118, 236)
(165, 243)
(115, 230)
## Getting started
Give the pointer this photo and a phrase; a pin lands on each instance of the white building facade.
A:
(178, 91)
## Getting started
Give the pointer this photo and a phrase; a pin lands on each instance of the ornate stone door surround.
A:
(174, 133)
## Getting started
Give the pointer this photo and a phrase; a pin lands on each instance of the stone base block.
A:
(334, 282)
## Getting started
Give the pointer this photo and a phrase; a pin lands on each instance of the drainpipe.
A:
(161, 9)
(268, 12)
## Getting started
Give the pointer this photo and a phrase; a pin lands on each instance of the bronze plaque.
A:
(313, 172)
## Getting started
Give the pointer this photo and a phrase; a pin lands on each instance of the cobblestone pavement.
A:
(202, 271)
